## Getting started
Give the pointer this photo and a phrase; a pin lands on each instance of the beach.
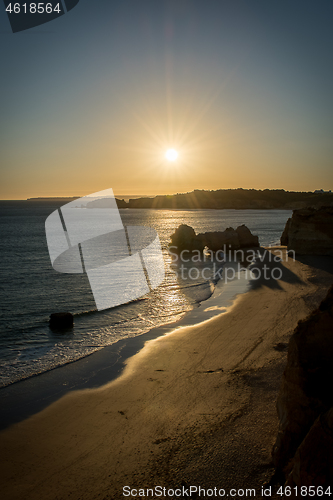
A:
(193, 407)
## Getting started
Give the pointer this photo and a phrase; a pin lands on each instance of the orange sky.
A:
(95, 103)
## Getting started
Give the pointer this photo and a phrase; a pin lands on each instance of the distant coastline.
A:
(54, 198)
(241, 199)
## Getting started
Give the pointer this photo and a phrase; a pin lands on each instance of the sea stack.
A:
(184, 238)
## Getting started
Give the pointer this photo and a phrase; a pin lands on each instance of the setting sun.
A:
(171, 155)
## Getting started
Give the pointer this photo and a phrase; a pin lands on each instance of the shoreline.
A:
(183, 397)
(23, 398)
(231, 288)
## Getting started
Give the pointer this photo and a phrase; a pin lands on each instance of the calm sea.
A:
(30, 290)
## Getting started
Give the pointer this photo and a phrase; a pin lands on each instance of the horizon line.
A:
(133, 196)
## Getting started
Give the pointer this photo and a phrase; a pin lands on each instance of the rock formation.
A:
(312, 464)
(61, 321)
(284, 237)
(305, 401)
(216, 240)
(185, 238)
(246, 238)
(310, 231)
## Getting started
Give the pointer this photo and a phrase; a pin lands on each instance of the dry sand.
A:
(196, 406)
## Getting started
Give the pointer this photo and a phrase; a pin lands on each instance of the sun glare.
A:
(171, 155)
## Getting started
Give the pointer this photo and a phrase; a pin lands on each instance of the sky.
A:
(242, 90)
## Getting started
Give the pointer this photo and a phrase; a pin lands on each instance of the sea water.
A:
(30, 289)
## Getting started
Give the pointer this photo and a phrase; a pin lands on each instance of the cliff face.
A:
(305, 402)
(310, 231)
(312, 464)
(284, 237)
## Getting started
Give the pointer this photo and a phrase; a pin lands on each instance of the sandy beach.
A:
(194, 407)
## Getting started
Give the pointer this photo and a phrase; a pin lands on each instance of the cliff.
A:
(310, 231)
(303, 450)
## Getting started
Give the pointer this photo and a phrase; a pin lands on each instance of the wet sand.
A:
(194, 407)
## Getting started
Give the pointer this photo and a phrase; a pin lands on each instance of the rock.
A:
(312, 464)
(219, 239)
(185, 238)
(306, 389)
(246, 238)
(284, 237)
(310, 231)
(61, 320)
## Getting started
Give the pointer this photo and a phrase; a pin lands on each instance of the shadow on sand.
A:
(269, 271)
(321, 262)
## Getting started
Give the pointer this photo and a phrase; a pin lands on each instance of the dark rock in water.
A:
(61, 320)
(219, 239)
(310, 231)
(185, 238)
(306, 390)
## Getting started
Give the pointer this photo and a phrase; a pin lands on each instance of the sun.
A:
(171, 155)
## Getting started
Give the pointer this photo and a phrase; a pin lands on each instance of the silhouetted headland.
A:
(224, 199)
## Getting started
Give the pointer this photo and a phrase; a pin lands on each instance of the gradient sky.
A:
(242, 89)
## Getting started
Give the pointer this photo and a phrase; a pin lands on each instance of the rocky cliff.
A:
(303, 450)
(310, 231)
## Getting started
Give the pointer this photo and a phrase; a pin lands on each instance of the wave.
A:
(94, 311)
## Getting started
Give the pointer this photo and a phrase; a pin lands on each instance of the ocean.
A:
(30, 289)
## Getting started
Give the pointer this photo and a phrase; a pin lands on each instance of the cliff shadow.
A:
(320, 262)
(269, 270)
